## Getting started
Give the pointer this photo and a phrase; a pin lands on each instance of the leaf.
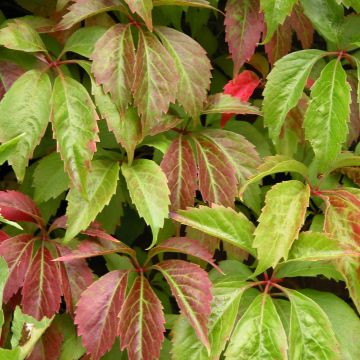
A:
(275, 12)
(41, 293)
(243, 25)
(113, 64)
(49, 178)
(9, 73)
(149, 192)
(217, 181)
(82, 9)
(74, 126)
(326, 118)
(191, 288)
(154, 79)
(18, 35)
(142, 321)
(101, 185)
(259, 333)
(8, 147)
(280, 222)
(179, 166)
(4, 275)
(25, 109)
(302, 26)
(193, 67)
(190, 3)
(285, 85)
(223, 223)
(311, 334)
(143, 8)
(97, 312)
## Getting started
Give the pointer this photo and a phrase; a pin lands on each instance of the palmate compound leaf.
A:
(101, 186)
(97, 312)
(191, 288)
(259, 334)
(149, 192)
(75, 129)
(143, 8)
(180, 169)
(243, 24)
(280, 222)
(25, 109)
(193, 67)
(285, 86)
(154, 79)
(220, 222)
(327, 116)
(141, 325)
(113, 63)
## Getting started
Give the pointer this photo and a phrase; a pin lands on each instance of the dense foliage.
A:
(180, 179)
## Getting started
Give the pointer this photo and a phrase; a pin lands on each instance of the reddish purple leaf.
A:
(141, 327)
(302, 27)
(41, 293)
(217, 181)
(3, 236)
(17, 252)
(9, 73)
(243, 24)
(191, 288)
(354, 125)
(97, 312)
(179, 167)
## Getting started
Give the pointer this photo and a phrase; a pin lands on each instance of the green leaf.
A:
(4, 274)
(143, 8)
(280, 222)
(285, 85)
(346, 159)
(8, 147)
(75, 129)
(194, 3)
(311, 335)
(13, 354)
(275, 12)
(20, 36)
(50, 179)
(25, 108)
(101, 185)
(149, 192)
(328, 113)
(259, 333)
(223, 223)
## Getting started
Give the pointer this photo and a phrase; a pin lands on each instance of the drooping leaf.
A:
(149, 192)
(243, 24)
(101, 185)
(191, 288)
(328, 113)
(74, 126)
(192, 65)
(142, 321)
(223, 223)
(179, 167)
(280, 222)
(302, 26)
(97, 312)
(25, 109)
(154, 79)
(143, 8)
(113, 63)
(285, 85)
(259, 333)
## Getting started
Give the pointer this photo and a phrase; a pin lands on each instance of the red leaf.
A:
(141, 327)
(16, 206)
(179, 167)
(302, 26)
(242, 87)
(97, 312)
(17, 252)
(192, 290)
(3, 236)
(244, 24)
(41, 294)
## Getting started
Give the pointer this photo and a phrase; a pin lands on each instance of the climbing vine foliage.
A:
(179, 179)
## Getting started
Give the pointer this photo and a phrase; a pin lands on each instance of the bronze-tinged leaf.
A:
(217, 180)
(141, 327)
(243, 24)
(354, 124)
(9, 73)
(155, 79)
(191, 288)
(41, 293)
(179, 167)
(143, 8)
(352, 172)
(302, 26)
(97, 312)
(17, 252)
(113, 63)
